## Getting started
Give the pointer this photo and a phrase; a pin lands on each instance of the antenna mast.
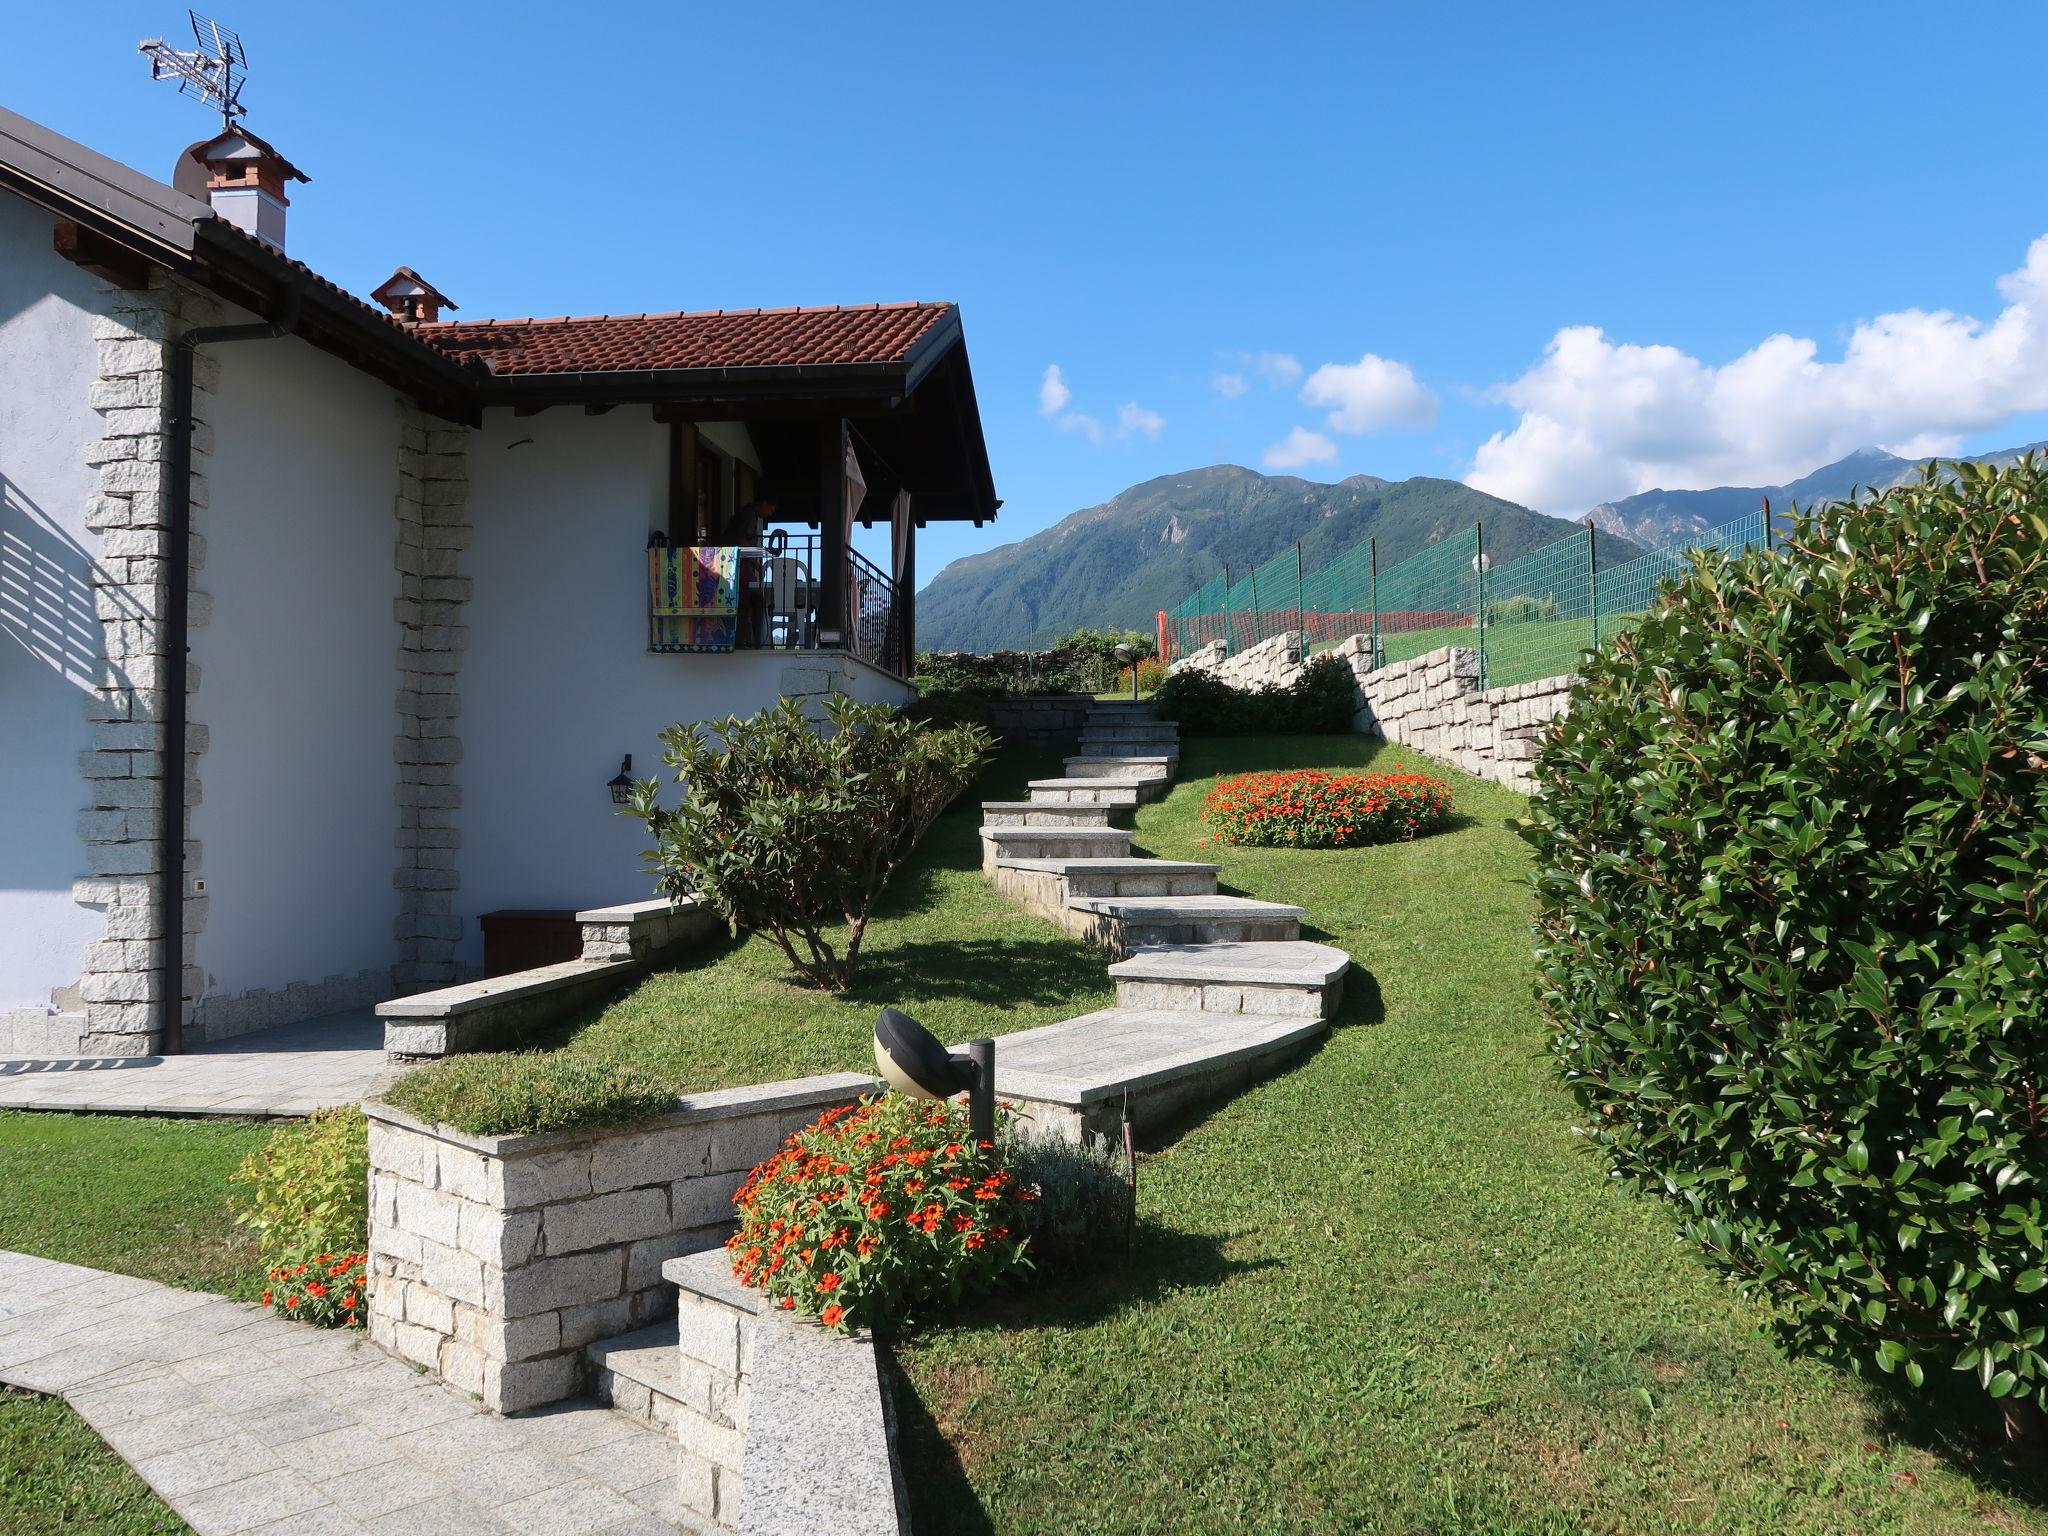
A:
(211, 72)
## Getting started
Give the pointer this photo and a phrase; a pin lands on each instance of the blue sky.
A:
(1544, 248)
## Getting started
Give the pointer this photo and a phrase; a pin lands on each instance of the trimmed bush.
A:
(526, 1092)
(1310, 808)
(878, 1208)
(1083, 1207)
(794, 831)
(1319, 702)
(1793, 922)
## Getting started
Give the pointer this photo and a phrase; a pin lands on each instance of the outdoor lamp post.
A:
(1125, 654)
(912, 1061)
(622, 786)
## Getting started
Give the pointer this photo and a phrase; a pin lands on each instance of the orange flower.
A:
(831, 1315)
(828, 1283)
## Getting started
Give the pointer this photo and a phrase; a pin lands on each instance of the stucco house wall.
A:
(557, 682)
(49, 633)
(297, 684)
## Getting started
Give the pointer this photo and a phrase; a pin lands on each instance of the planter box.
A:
(495, 1259)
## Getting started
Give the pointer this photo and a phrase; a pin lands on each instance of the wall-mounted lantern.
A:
(622, 786)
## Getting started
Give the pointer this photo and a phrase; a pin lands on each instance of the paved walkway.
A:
(248, 1425)
(292, 1070)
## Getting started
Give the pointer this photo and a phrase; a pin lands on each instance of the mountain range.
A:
(1150, 546)
(1656, 518)
(1143, 550)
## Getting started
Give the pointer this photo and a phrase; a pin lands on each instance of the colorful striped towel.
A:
(693, 597)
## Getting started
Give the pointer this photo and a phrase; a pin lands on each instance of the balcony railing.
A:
(776, 598)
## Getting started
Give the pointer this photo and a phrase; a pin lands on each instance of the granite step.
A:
(999, 843)
(1030, 813)
(1076, 1077)
(639, 1374)
(1123, 924)
(1094, 791)
(1113, 729)
(1122, 746)
(1297, 977)
(1108, 766)
(1123, 709)
(1124, 877)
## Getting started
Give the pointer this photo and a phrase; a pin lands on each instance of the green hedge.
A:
(515, 1094)
(1321, 701)
(1793, 922)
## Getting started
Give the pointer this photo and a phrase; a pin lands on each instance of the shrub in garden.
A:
(305, 1191)
(878, 1208)
(794, 831)
(1319, 702)
(525, 1092)
(1082, 1203)
(1793, 922)
(1311, 808)
(1151, 673)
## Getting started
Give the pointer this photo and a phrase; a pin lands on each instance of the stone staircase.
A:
(1212, 990)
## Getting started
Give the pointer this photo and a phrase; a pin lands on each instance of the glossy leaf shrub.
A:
(878, 1208)
(1319, 702)
(306, 1190)
(794, 828)
(1792, 918)
(1310, 808)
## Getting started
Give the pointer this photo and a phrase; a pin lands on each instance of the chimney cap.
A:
(411, 297)
(238, 143)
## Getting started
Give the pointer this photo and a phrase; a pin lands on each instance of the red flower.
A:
(831, 1315)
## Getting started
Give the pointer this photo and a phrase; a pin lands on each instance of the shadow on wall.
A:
(46, 603)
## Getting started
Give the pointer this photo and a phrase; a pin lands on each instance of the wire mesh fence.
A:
(1528, 618)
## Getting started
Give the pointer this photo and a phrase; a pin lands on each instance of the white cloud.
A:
(1602, 419)
(1372, 393)
(1299, 448)
(1133, 420)
(1276, 368)
(1053, 393)
(1229, 385)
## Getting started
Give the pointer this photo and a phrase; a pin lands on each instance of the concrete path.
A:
(291, 1070)
(248, 1425)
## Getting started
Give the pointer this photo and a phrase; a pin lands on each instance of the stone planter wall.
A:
(495, 1259)
(783, 1427)
(1039, 719)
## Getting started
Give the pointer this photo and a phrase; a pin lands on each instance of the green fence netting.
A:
(1528, 618)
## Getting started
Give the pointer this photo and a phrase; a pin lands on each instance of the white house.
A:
(378, 582)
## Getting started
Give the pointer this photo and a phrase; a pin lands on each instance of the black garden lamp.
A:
(1126, 655)
(622, 786)
(912, 1061)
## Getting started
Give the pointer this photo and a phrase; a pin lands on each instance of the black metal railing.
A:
(782, 585)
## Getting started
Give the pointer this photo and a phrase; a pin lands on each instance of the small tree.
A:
(792, 830)
(1792, 917)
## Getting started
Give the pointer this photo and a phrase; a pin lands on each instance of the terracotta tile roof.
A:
(715, 338)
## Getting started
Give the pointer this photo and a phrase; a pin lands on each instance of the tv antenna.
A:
(211, 72)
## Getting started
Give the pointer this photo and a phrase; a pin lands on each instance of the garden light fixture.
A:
(912, 1061)
(622, 786)
(1124, 654)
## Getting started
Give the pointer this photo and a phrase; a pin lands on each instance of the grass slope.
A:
(944, 948)
(1387, 1292)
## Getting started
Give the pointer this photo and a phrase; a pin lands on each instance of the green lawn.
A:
(1388, 1292)
(140, 1197)
(944, 948)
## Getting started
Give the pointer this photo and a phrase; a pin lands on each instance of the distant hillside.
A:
(1146, 549)
(1663, 517)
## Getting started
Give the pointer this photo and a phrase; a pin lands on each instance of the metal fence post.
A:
(1593, 582)
(1300, 608)
(1373, 554)
(1229, 634)
(1479, 592)
(1256, 623)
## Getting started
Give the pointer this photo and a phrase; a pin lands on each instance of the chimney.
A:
(244, 179)
(411, 297)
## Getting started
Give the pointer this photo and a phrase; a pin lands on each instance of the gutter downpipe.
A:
(177, 616)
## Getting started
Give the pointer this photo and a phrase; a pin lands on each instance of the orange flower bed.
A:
(875, 1208)
(326, 1289)
(1311, 808)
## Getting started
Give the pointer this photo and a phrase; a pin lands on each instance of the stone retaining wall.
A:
(783, 1427)
(1039, 719)
(1432, 703)
(495, 1259)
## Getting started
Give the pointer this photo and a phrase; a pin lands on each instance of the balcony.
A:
(775, 596)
